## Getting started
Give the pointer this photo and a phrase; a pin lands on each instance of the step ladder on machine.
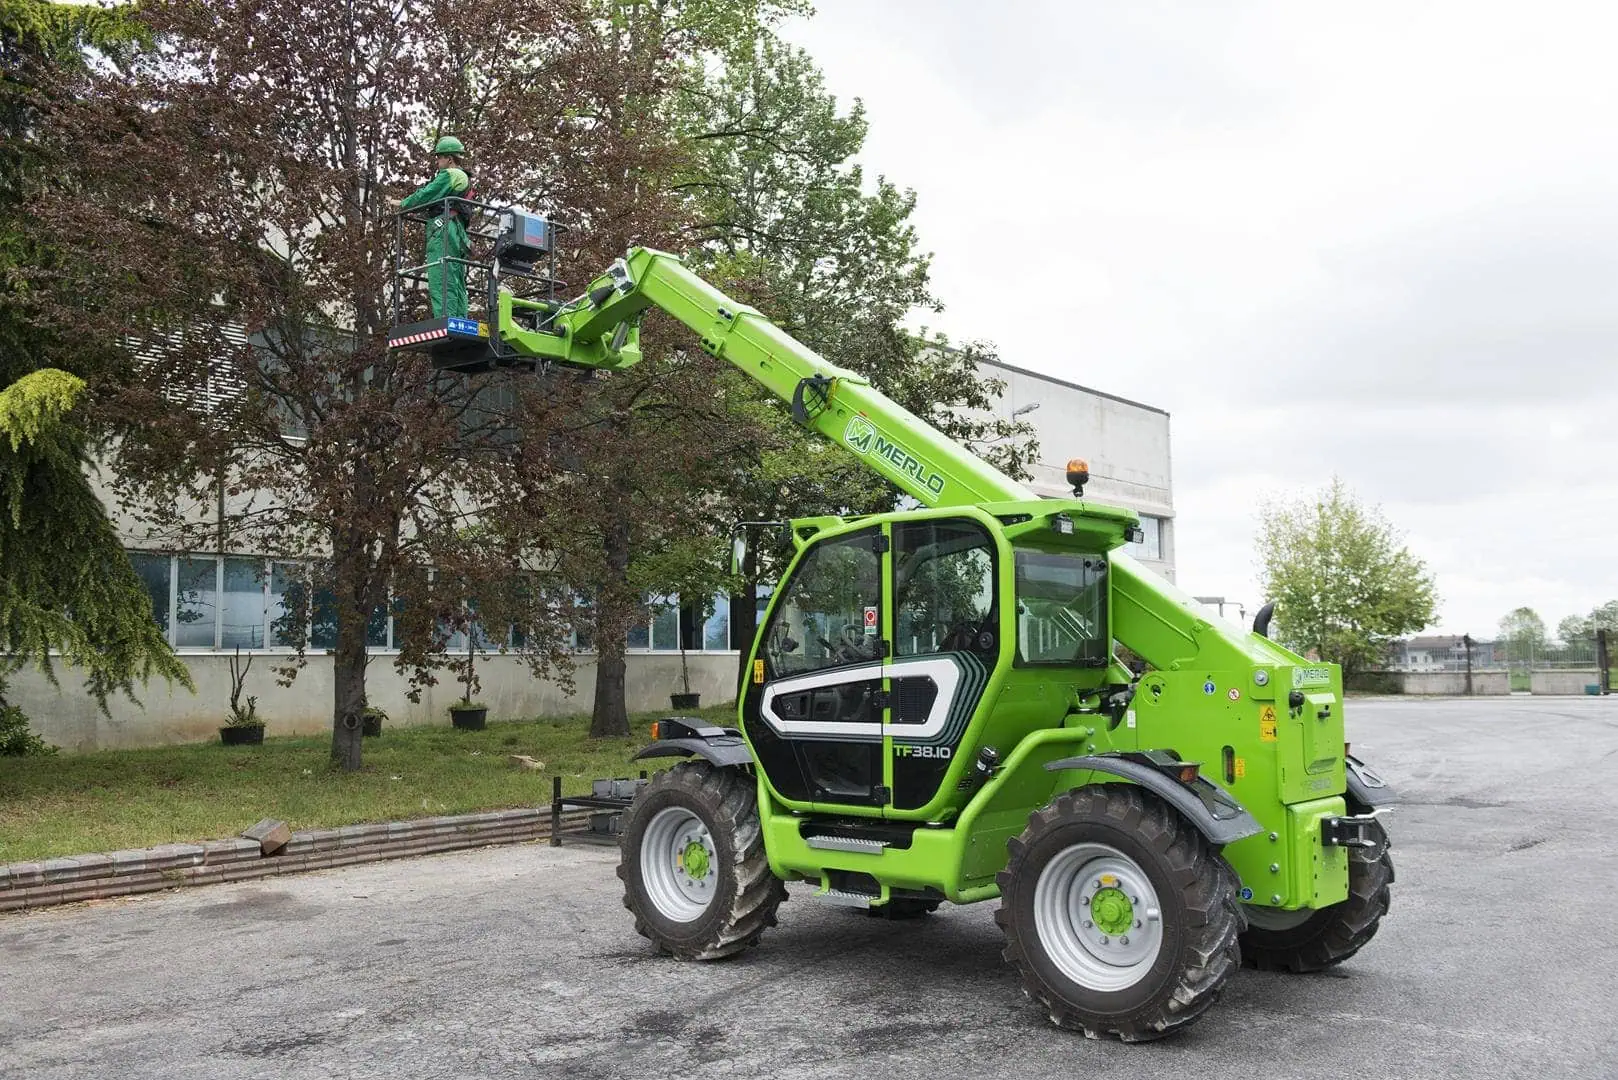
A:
(506, 243)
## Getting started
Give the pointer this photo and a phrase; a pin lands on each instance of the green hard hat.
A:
(449, 144)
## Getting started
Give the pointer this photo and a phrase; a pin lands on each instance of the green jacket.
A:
(449, 182)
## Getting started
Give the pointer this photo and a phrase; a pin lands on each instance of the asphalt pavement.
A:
(1498, 959)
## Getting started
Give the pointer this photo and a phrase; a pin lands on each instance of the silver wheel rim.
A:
(1269, 918)
(1078, 888)
(679, 881)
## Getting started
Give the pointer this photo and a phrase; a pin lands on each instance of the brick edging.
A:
(167, 866)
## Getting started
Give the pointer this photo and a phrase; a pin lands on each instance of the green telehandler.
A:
(933, 709)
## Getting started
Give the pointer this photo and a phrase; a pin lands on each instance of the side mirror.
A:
(738, 551)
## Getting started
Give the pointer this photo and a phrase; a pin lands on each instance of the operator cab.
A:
(508, 245)
(886, 635)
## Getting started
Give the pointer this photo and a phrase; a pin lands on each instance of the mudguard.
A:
(680, 738)
(1216, 815)
(1365, 786)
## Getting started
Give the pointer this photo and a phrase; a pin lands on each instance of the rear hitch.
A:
(1351, 831)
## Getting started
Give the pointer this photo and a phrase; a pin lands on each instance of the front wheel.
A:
(1315, 940)
(1120, 916)
(692, 861)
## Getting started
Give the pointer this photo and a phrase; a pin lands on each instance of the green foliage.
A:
(1343, 583)
(66, 586)
(1523, 629)
(1581, 628)
(16, 740)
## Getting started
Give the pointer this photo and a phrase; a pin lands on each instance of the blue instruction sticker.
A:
(1209, 687)
(1247, 894)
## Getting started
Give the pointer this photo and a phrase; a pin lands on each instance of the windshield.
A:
(1062, 609)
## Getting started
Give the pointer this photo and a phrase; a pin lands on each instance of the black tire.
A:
(1331, 935)
(904, 908)
(1196, 889)
(745, 892)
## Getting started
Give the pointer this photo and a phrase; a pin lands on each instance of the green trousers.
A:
(446, 281)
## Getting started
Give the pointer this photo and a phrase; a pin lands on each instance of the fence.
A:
(1463, 665)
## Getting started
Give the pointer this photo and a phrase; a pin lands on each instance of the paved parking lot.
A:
(1499, 959)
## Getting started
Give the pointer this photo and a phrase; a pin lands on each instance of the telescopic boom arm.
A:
(601, 331)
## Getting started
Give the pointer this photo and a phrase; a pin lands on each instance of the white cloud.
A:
(1379, 241)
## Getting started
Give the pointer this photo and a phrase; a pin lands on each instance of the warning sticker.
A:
(1241, 767)
(870, 622)
(1266, 723)
(758, 671)
(1234, 694)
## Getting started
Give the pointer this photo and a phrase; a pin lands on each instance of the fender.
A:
(1216, 815)
(723, 747)
(1365, 786)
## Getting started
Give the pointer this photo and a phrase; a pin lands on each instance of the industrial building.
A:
(211, 605)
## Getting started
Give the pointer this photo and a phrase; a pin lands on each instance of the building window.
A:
(156, 573)
(1152, 546)
(242, 610)
(716, 627)
(196, 602)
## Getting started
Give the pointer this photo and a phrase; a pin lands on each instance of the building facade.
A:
(1125, 443)
(212, 604)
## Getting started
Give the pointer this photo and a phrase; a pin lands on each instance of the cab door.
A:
(815, 705)
(946, 641)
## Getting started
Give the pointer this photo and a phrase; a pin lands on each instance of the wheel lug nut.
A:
(1134, 899)
(1103, 939)
(1124, 940)
(1085, 900)
(1088, 924)
(1137, 924)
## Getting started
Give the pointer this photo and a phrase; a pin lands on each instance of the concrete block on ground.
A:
(272, 835)
(25, 875)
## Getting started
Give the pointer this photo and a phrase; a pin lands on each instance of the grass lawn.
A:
(69, 804)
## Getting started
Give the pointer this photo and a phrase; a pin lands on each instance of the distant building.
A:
(1443, 652)
(1125, 443)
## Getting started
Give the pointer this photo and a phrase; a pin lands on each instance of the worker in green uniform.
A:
(446, 232)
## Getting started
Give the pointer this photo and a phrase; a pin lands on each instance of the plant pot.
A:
(371, 724)
(252, 735)
(469, 719)
(685, 701)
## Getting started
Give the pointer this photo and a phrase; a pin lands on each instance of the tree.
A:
(67, 591)
(233, 182)
(785, 220)
(1581, 628)
(1342, 580)
(1524, 629)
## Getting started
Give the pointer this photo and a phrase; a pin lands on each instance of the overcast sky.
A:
(1375, 239)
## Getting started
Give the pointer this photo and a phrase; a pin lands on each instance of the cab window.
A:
(830, 613)
(1062, 609)
(944, 597)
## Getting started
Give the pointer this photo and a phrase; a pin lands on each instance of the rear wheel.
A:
(1121, 917)
(1316, 940)
(693, 865)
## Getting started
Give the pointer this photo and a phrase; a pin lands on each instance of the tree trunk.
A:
(614, 607)
(348, 681)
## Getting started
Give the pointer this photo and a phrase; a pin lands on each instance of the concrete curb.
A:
(167, 866)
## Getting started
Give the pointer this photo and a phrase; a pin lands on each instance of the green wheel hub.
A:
(1112, 911)
(694, 859)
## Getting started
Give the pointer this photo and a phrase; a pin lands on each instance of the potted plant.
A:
(466, 714)
(244, 728)
(689, 699)
(690, 569)
(373, 720)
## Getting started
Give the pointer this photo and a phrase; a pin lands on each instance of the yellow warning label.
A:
(758, 671)
(1266, 730)
(1266, 715)
(1241, 767)
(483, 329)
